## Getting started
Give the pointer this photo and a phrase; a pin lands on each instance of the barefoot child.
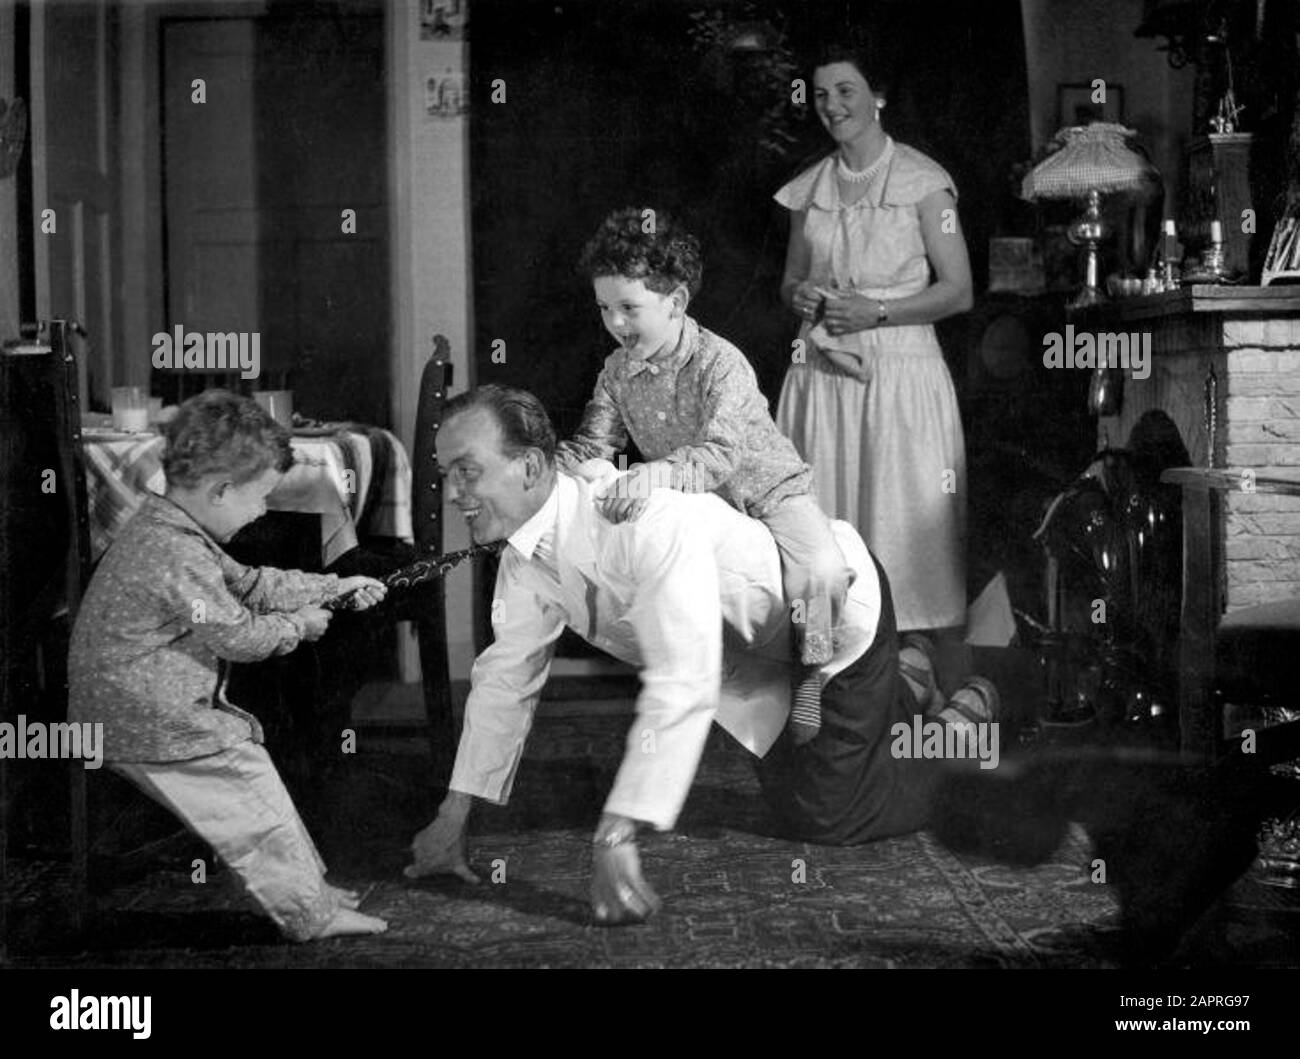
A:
(690, 401)
(165, 612)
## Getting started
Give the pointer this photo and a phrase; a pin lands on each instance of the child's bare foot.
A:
(346, 898)
(349, 921)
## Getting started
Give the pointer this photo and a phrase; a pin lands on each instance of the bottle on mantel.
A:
(1166, 264)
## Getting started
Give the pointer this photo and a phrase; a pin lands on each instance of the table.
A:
(333, 476)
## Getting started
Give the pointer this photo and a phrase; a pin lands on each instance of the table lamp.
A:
(1086, 162)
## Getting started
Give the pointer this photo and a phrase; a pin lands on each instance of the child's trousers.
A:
(236, 802)
(815, 573)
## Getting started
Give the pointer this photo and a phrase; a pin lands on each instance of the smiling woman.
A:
(876, 256)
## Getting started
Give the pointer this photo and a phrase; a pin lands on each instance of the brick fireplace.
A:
(1240, 345)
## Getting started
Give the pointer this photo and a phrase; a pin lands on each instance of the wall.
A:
(140, 263)
(8, 192)
(1071, 43)
(429, 222)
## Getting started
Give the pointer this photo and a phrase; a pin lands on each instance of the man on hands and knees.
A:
(662, 593)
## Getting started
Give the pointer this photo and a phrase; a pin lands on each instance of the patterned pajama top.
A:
(165, 612)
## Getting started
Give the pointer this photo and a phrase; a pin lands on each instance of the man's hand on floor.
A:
(442, 848)
(619, 892)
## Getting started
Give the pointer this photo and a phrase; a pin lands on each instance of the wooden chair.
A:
(46, 563)
(1248, 657)
(426, 505)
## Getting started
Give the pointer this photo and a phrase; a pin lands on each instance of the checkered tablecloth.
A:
(334, 477)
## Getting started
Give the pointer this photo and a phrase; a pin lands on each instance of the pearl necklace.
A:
(861, 176)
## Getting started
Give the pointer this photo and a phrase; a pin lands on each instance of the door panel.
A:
(292, 134)
(73, 128)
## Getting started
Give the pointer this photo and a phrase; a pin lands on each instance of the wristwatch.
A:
(616, 836)
(882, 314)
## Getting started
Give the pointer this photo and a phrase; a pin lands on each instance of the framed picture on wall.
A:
(1082, 104)
(442, 20)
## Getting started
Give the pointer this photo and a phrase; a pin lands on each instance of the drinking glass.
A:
(130, 409)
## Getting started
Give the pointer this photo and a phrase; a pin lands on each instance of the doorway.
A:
(275, 177)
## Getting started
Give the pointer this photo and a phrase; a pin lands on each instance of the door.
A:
(73, 130)
(275, 171)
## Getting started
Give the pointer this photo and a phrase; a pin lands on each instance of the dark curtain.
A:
(614, 104)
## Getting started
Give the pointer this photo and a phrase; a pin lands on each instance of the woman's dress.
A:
(888, 454)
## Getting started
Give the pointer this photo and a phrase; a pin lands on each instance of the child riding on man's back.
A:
(690, 401)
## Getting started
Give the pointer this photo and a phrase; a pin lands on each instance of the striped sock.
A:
(806, 709)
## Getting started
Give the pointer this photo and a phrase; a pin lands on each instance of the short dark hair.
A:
(521, 416)
(866, 54)
(219, 432)
(662, 258)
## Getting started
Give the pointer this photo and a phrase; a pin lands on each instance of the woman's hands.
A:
(847, 313)
(806, 299)
(840, 314)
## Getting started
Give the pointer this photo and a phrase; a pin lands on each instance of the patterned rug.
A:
(733, 895)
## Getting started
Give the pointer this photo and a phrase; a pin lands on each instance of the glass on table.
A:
(130, 409)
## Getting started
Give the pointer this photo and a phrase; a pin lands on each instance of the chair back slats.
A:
(45, 553)
(72, 459)
(427, 502)
(426, 508)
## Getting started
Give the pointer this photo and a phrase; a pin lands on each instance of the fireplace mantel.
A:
(1206, 298)
(1225, 367)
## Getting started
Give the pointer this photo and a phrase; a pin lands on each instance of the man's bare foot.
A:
(349, 921)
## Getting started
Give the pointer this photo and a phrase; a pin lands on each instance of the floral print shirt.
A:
(699, 413)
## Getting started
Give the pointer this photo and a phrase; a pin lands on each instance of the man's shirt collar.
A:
(524, 539)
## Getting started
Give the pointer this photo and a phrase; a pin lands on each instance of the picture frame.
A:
(444, 95)
(1075, 106)
(443, 20)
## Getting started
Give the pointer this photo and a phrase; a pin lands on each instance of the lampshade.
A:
(1088, 158)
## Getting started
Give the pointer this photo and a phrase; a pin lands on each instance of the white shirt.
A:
(691, 594)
